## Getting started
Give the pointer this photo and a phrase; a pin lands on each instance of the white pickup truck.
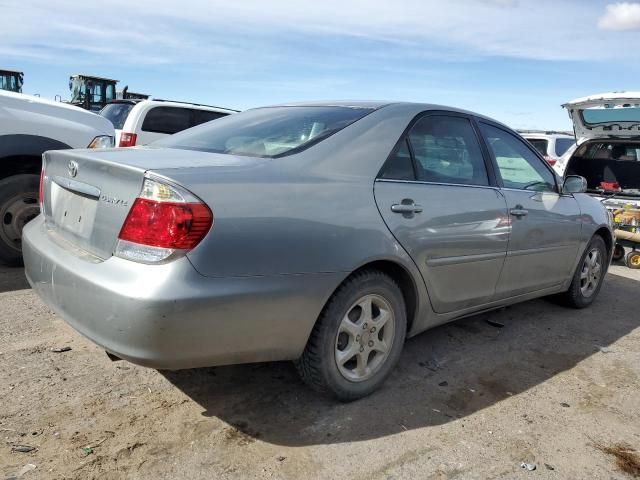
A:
(29, 126)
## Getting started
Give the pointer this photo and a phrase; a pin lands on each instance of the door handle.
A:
(519, 211)
(406, 208)
(400, 208)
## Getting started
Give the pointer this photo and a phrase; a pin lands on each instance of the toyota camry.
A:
(320, 233)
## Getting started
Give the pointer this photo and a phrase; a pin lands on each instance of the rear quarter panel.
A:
(308, 213)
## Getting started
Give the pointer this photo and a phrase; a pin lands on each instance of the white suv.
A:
(552, 145)
(139, 122)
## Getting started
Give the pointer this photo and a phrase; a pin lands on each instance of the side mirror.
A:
(574, 184)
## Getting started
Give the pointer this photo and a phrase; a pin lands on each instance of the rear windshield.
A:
(562, 145)
(594, 116)
(267, 132)
(540, 144)
(117, 113)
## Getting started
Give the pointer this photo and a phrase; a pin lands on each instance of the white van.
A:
(139, 122)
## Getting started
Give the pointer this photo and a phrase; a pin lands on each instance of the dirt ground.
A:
(468, 400)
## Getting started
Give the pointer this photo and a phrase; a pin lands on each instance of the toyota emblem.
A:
(73, 168)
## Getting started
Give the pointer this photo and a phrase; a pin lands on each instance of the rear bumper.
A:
(169, 316)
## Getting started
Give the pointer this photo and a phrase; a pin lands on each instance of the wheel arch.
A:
(607, 237)
(22, 154)
(401, 275)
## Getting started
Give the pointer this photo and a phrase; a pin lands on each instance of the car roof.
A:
(377, 104)
(173, 103)
(598, 97)
(544, 133)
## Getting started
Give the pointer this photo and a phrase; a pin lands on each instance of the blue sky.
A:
(514, 60)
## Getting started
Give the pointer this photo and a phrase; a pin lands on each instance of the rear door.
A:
(437, 195)
(545, 226)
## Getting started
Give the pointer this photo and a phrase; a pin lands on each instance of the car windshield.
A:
(117, 113)
(562, 145)
(540, 144)
(267, 132)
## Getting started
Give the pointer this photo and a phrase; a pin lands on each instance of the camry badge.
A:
(73, 168)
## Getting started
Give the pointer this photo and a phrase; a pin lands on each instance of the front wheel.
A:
(358, 338)
(589, 275)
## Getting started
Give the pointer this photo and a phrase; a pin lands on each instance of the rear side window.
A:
(117, 113)
(446, 150)
(562, 145)
(540, 144)
(399, 165)
(518, 166)
(204, 116)
(167, 120)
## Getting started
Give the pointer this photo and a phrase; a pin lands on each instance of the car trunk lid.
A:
(88, 194)
(607, 115)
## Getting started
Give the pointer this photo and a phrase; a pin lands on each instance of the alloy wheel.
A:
(591, 272)
(364, 338)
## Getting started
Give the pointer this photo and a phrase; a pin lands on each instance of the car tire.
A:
(18, 205)
(589, 275)
(358, 338)
(618, 253)
(633, 260)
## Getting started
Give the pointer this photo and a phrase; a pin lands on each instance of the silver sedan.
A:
(321, 233)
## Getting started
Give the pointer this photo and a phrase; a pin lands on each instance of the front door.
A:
(545, 226)
(438, 200)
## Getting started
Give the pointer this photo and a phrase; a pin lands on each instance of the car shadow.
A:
(12, 278)
(444, 374)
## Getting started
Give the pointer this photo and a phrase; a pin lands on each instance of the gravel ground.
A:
(468, 400)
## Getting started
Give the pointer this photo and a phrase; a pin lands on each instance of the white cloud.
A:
(255, 32)
(621, 16)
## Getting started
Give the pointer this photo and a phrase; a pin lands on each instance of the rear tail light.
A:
(550, 161)
(164, 222)
(128, 139)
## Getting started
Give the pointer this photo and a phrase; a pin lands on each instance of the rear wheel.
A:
(618, 253)
(358, 338)
(18, 205)
(589, 275)
(633, 260)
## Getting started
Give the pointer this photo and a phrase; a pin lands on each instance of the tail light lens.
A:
(164, 222)
(128, 139)
(550, 161)
(41, 188)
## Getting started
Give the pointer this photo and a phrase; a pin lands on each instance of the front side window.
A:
(518, 166)
(446, 150)
(267, 132)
